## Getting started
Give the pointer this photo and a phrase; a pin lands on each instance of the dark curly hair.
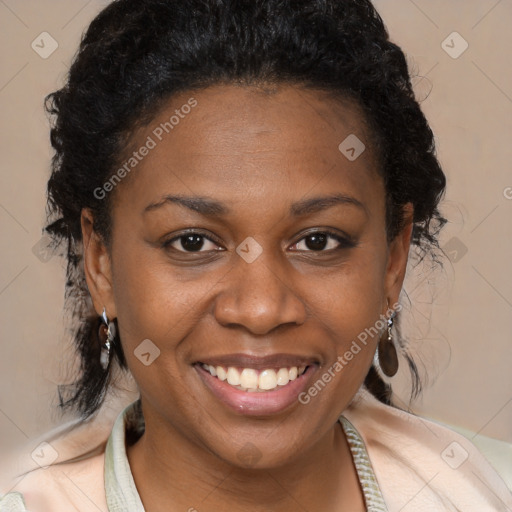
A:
(136, 54)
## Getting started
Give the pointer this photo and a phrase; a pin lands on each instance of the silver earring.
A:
(106, 334)
(386, 351)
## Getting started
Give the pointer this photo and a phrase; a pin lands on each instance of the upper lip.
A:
(259, 362)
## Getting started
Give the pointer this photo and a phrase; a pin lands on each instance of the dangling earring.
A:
(106, 334)
(387, 356)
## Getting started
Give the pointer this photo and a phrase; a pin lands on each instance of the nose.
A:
(258, 297)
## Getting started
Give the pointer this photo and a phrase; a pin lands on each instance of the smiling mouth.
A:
(253, 380)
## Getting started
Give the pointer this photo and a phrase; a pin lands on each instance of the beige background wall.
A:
(467, 343)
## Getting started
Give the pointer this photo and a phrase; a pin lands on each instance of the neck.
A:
(172, 472)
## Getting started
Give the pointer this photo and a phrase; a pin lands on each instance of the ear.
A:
(97, 267)
(398, 253)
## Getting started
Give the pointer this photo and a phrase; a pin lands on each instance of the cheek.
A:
(163, 304)
(353, 297)
(349, 307)
(152, 302)
(154, 312)
(147, 302)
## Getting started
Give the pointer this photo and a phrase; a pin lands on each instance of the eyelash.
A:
(344, 242)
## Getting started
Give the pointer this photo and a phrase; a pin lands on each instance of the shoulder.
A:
(70, 486)
(421, 465)
(74, 481)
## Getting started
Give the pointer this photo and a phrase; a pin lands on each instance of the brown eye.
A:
(192, 242)
(322, 241)
(317, 242)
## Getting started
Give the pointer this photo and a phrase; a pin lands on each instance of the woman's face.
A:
(247, 239)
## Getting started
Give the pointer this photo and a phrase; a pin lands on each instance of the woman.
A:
(239, 185)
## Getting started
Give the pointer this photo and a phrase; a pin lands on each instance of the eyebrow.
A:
(211, 208)
(202, 205)
(317, 204)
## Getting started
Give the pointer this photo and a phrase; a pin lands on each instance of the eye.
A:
(192, 242)
(322, 241)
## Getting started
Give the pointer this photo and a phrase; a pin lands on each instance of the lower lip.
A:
(256, 403)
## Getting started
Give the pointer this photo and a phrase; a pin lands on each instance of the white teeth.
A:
(267, 380)
(233, 376)
(283, 377)
(221, 373)
(250, 379)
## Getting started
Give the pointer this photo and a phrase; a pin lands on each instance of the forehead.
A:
(240, 140)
